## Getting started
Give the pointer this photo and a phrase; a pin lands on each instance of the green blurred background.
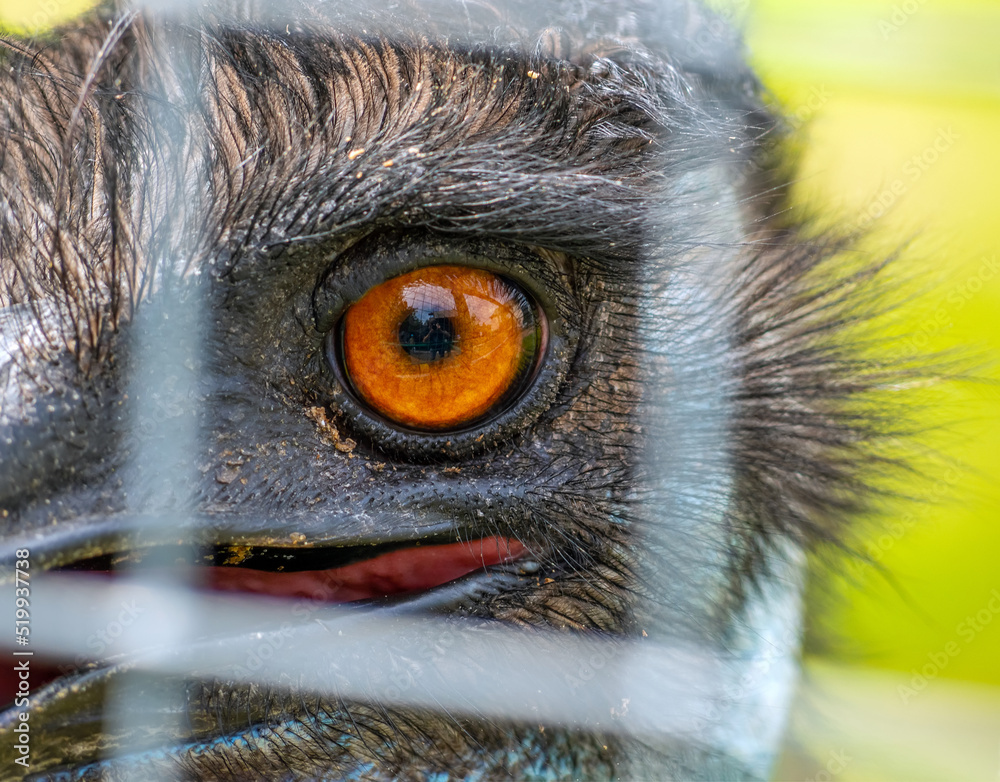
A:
(900, 106)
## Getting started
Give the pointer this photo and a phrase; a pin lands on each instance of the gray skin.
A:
(194, 187)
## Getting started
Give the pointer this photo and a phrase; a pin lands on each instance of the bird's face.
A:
(477, 319)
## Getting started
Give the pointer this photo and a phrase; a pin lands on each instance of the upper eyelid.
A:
(383, 256)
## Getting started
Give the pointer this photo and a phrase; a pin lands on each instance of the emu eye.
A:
(440, 348)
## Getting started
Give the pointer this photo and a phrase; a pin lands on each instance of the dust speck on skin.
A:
(126, 559)
(226, 475)
(237, 554)
(319, 417)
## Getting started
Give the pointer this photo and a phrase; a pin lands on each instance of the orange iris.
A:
(439, 347)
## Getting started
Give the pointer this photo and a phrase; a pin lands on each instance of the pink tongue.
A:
(407, 570)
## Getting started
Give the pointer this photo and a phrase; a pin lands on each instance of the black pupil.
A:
(427, 335)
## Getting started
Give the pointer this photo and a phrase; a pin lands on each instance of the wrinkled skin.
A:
(688, 434)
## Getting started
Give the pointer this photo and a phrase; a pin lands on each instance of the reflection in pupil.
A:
(427, 335)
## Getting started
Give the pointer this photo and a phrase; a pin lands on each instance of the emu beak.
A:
(91, 632)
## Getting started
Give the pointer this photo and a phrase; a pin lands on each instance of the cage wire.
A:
(662, 689)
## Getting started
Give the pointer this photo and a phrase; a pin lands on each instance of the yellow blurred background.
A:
(900, 105)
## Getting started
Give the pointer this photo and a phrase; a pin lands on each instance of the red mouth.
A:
(403, 571)
(398, 572)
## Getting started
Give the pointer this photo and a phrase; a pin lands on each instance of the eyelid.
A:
(357, 269)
